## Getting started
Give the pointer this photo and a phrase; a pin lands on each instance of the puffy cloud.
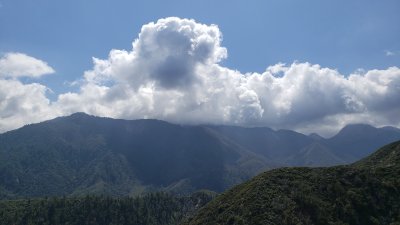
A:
(173, 73)
(15, 65)
(22, 104)
(310, 98)
(166, 53)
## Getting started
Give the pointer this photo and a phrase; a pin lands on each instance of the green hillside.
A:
(367, 192)
(152, 209)
(81, 154)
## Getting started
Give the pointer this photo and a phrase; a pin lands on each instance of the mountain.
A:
(316, 136)
(386, 157)
(366, 192)
(289, 148)
(80, 154)
(274, 145)
(356, 141)
(315, 154)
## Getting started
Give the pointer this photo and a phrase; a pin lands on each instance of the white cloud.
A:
(310, 98)
(22, 104)
(173, 73)
(167, 75)
(166, 52)
(15, 65)
(389, 53)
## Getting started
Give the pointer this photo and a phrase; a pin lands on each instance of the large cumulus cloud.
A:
(173, 73)
(167, 53)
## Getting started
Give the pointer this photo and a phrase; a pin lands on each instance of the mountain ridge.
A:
(366, 192)
(80, 154)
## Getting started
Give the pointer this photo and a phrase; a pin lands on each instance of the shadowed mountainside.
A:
(81, 154)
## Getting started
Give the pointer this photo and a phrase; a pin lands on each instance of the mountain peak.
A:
(79, 115)
(316, 136)
(355, 130)
(357, 126)
(390, 128)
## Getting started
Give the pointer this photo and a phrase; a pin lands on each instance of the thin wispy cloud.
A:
(389, 53)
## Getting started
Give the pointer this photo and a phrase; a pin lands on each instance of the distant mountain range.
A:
(366, 192)
(82, 154)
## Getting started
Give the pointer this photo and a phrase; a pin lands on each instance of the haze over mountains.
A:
(82, 154)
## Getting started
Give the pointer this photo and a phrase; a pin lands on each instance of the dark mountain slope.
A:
(367, 192)
(356, 141)
(289, 148)
(81, 153)
(275, 145)
(314, 154)
(386, 157)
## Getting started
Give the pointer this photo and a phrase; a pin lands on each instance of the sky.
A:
(311, 65)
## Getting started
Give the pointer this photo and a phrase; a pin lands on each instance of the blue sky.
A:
(343, 36)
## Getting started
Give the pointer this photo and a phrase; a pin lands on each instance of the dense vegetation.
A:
(81, 154)
(154, 209)
(367, 192)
